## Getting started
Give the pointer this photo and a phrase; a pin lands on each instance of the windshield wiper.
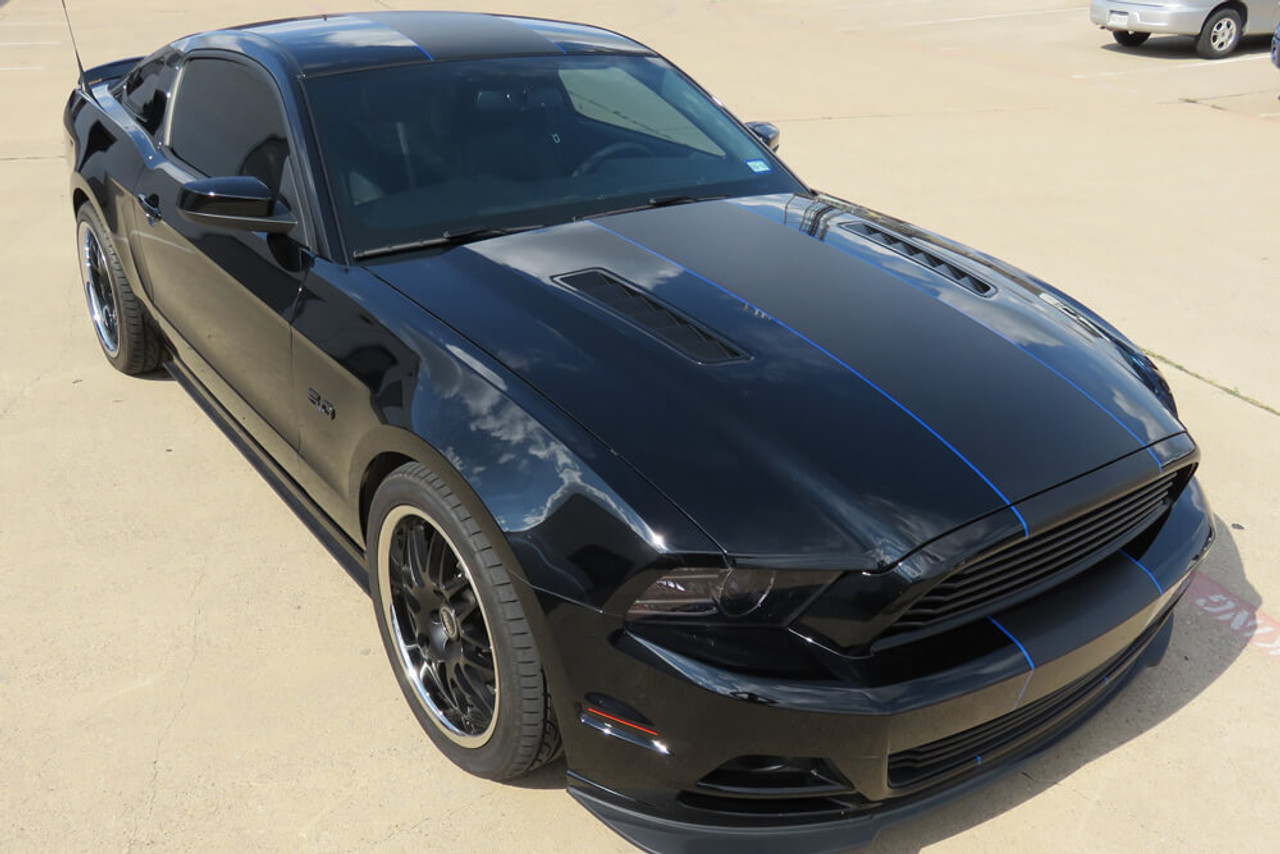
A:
(655, 202)
(449, 238)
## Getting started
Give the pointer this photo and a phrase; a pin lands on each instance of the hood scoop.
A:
(638, 307)
(920, 256)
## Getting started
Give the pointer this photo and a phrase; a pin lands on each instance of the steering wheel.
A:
(613, 149)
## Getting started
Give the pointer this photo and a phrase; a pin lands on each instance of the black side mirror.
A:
(767, 133)
(239, 202)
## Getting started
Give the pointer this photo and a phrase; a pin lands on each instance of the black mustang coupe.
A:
(780, 517)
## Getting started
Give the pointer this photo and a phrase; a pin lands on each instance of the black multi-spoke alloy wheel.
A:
(1128, 39)
(454, 629)
(128, 340)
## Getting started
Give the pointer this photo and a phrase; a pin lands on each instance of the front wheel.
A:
(1220, 34)
(1129, 39)
(454, 629)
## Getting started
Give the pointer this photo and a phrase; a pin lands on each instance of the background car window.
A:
(227, 120)
(612, 95)
(145, 91)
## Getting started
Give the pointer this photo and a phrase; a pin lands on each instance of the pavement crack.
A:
(63, 351)
(909, 115)
(1231, 390)
(153, 785)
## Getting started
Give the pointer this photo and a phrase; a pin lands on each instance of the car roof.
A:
(325, 44)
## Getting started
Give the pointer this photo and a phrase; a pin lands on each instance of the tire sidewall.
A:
(88, 216)
(495, 758)
(137, 349)
(1204, 44)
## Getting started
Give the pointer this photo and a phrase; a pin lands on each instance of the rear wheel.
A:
(454, 630)
(1220, 34)
(128, 340)
(1130, 39)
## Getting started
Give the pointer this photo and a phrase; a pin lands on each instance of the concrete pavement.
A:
(184, 667)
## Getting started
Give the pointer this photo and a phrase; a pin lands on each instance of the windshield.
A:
(415, 152)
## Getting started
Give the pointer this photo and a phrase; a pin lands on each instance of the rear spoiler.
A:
(110, 72)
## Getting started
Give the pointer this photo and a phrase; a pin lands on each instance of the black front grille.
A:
(1027, 568)
(643, 310)
(1033, 723)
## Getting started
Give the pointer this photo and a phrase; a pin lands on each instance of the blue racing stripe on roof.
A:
(1141, 444)
(408, 42)
(833, 357)
(529, 25)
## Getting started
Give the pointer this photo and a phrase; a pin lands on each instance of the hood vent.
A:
(920, 256)
(637, 306)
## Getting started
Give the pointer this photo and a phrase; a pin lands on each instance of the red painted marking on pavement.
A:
(1260, 630)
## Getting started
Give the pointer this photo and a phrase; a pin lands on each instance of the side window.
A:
(227, 121)
(145, 92)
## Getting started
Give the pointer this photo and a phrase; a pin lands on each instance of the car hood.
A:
(809, 385)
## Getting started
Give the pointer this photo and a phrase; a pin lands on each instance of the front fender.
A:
(401, 384)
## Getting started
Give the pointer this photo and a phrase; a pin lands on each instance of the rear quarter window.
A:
(144, 92)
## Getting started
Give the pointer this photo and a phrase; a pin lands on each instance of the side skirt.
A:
(349, 555)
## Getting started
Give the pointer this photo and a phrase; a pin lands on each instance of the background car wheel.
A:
(1130, 39)
(1220, 34)
(455, 632)
(129, 341)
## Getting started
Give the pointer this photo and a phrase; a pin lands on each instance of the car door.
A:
(229, 294)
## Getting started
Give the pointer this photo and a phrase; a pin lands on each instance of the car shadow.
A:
(1196, 661)
(160, 374)
(549, 776)
(1184, 48)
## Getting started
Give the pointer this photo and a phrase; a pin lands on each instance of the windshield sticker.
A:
(759, 166)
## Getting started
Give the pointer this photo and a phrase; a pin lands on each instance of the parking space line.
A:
(1151, 70)
(995, 17)
(26, 44)
(24, 68)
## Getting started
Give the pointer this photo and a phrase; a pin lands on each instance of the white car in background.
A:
(1217, 26)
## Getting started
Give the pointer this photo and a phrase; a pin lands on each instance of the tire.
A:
(1220, 35)
(1129, 39)
(124, 331)
(454, 630)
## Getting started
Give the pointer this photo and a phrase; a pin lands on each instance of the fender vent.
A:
(643, 310)
(920, 256)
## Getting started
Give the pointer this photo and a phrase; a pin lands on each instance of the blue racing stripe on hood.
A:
(771, 213)
(916, 418)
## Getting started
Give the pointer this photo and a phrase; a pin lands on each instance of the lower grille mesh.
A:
(1037, 720)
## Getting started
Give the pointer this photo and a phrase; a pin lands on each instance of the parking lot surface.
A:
(183, 666)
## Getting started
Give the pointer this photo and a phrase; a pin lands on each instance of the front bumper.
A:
(1178, 20)
(668, 834)
(887, 749)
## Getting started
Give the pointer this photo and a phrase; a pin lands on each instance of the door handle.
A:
(151, 207)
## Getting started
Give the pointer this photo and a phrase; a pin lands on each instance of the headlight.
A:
(730, 596)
